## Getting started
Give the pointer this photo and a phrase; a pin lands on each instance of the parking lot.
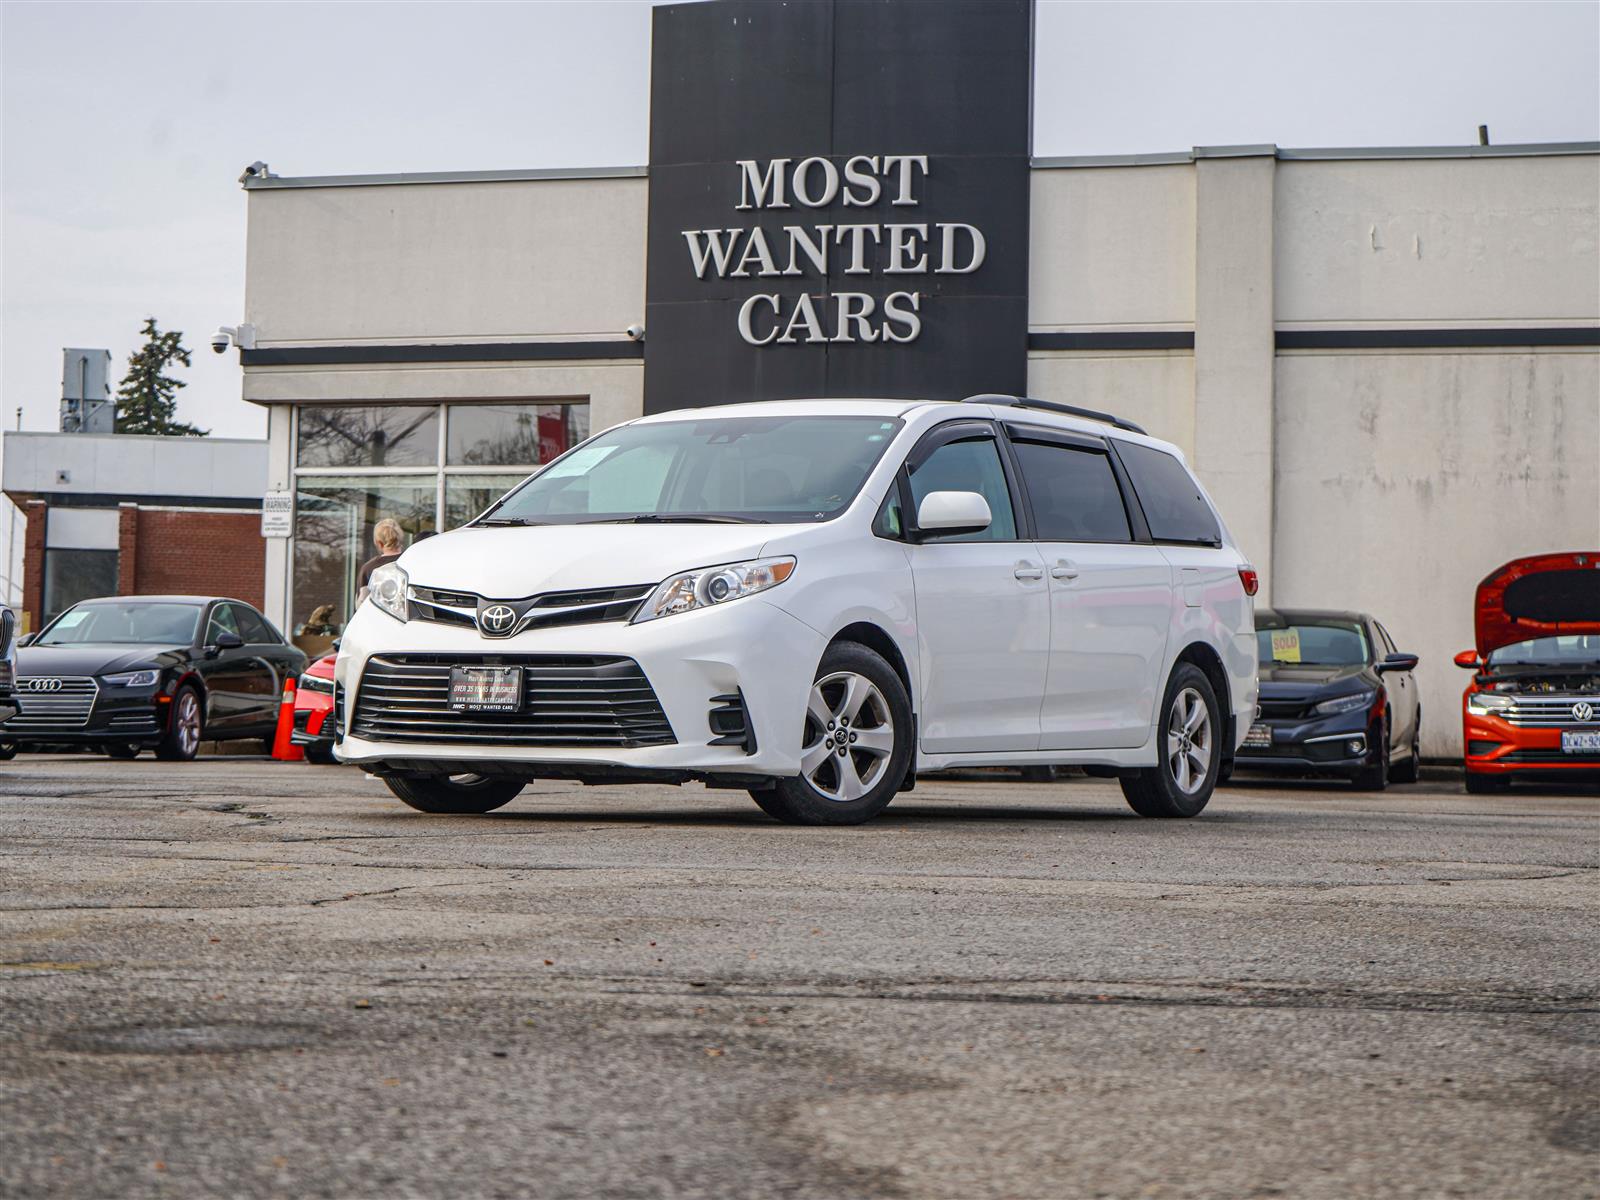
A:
(240, 977)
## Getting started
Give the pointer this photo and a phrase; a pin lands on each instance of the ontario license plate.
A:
(1259, 736)
(485, 689)
(1580, 743)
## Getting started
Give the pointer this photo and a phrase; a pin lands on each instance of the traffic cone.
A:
(282, 748)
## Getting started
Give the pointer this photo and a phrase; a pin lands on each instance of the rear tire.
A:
(122, 750)
(1482, 785)
(1189, 740)
(185, 727)
(856, 743)
(1411, 770)
(456, 795)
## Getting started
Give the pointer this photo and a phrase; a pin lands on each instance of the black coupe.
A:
(128, 673)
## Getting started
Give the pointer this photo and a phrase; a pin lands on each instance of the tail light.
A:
(1248, 577)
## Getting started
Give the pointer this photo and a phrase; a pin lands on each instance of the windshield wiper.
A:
(679, 519)
(510, 521)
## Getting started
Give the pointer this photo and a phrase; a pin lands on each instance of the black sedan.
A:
(1337, 698)
(129, 673)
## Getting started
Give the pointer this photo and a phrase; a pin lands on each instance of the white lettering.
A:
(893, 311)
(745, 311)
(858, 235)
(830, 180)
(756, 247)
(905, 162)
(751, 180)
(853, 308)
(902, 243)
(816, 251)
(805, 313)
(714, 250)
(853, 177)
(947, 251)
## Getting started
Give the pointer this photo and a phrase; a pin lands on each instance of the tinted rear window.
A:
(1074, 494)
(1173, 506)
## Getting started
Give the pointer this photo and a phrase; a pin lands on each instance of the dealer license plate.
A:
(1259, 735)
(485, 689)
(1580, 743)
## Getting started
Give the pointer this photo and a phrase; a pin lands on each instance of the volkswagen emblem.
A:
(41, 685)
(1583, 711)
(497, 620)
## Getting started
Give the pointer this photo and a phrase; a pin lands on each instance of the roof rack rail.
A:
(1071, 410)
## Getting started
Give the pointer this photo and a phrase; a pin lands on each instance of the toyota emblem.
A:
(497, 619)
(1583, 711)
(41, 685)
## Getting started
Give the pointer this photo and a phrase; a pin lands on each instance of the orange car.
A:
(313, 709)
(1532, 710)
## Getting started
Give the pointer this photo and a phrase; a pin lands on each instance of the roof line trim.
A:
(1318, 154)
(268, 182)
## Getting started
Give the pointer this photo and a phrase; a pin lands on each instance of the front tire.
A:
(8, 751)
(185, 725)
(122, 750)
(321, 755)
(1189, 739)
(455, 795)
(1483, 785)
(1375, 776)
(856, 743)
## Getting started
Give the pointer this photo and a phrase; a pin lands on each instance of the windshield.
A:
(733, 468)
(139, 623)
(1549, 651)
(1316, 644)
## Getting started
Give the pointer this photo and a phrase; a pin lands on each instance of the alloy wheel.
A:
(188, 723)
(1189, 741)
(849, 736)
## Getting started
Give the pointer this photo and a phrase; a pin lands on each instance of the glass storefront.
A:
(427, 466)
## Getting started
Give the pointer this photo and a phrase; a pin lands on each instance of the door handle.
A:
(1027, 572)
(1063, 570)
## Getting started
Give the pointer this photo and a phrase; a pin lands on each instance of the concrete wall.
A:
(551, 259)
(126, 465)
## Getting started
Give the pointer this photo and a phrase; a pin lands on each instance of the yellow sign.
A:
(1286, 645)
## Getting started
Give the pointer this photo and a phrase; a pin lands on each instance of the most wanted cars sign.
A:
(838, 200)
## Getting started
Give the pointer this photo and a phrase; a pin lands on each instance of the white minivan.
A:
(814, 601)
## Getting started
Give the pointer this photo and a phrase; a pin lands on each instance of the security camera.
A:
(256, 170)
(635, 333)
(221, 339)
(242, 336)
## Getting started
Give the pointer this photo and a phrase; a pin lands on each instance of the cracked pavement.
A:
(246, 978)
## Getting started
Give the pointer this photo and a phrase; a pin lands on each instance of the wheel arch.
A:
(1205, 657)
(878, 639)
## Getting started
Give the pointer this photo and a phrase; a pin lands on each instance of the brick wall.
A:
(38, 513)
(203, 553)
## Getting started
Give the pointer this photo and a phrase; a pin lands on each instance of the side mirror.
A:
(224, 641)
(26, 639)
(1398, 662)
(953, 512)
(1468, 659)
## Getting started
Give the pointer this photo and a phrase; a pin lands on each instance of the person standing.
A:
(389, 539)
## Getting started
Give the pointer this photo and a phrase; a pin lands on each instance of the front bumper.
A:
(135, 716)
(1497, 747)
(312, 725)
(1318, 744)
(747, 648)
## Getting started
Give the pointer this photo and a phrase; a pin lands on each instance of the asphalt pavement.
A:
(245, 978)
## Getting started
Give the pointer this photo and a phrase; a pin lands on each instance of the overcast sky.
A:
(126, 125)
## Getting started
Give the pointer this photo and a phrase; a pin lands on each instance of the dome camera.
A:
(635, 333)
(221, 339)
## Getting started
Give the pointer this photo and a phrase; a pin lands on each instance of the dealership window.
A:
(428, 466)
(74, 575)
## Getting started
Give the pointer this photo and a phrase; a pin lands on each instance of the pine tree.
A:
(146, 401)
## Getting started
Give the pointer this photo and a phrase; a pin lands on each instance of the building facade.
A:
(1384, 363)
(119, 515)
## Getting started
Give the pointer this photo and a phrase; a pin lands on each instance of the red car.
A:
(1532, 710)
(313, 711)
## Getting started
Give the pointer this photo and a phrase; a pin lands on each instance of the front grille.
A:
(66, 707)
(544, 611)
(1550, 712)
(1285, 710)
(567, 700)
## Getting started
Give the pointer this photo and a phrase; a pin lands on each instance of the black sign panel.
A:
(838, 200)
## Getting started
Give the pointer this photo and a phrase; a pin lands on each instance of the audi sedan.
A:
(130, 673)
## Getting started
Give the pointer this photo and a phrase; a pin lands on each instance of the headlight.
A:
(1486, 704)
(132, 679)
(708, 586)
(316, 683)
(386, 587)
(1343, 704)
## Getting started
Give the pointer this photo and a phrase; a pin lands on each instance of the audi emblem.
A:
(41, 685)
(497, 619)
(1583, 711)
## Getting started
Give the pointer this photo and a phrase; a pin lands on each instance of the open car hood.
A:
(1541, 596)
